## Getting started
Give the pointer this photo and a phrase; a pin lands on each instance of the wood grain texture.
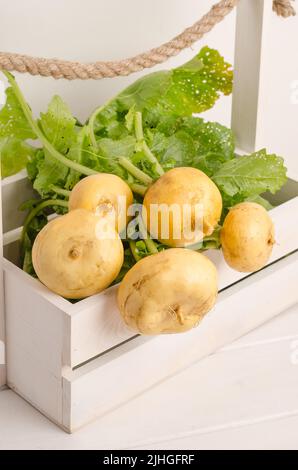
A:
(35, 346)
(247, 71)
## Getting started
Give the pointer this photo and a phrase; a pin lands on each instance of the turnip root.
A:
(247, 237)
(74, 256)
(182, 192)
(169, 292)
(104, 194)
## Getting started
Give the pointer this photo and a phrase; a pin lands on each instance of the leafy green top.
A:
(144, 131)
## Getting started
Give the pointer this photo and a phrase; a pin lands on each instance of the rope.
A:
(75, 70)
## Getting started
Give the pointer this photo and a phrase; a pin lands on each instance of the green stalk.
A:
(136, 172)
(153, 159)
(37, 209)
(133, 249)
(92, 120)
(141, 141)
(139, 126)
(62, 192)
(138, 188)
(91, 125)
(151, 247)
(34, 126)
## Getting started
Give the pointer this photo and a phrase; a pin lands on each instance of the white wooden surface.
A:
(242, 397)
(247, 71)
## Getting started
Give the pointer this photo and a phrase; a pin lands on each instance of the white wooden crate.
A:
(75, 362)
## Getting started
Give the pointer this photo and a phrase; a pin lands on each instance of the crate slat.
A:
(15, 190)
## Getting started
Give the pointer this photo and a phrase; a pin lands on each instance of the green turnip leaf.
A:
(191, 88)
(14, 155)
(58, 124)
(251, 175)
(13, 122)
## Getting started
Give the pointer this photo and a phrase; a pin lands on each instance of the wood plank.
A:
(247, 70)
(16, 189)
(36, 348)
(281, 328)
(277, 432)
(188, 423)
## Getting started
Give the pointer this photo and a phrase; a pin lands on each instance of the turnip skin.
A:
(247, 237)
(168, 292)
(70, 259)
(99, 194)
(183, 186)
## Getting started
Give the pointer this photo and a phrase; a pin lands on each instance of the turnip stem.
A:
(134, 250)
(37, 209)
(138, 188)
(141, 140)
(153, 159)
(62, 192)
(139, 126)
(134, 171)
(150, 245)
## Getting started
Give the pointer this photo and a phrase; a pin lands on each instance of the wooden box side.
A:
(122, 374)
(37, 345)
(15, 191)
(95, 325)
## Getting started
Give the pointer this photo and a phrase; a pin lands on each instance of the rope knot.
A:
(283, 8)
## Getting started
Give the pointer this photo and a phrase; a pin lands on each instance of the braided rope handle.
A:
(75, 70)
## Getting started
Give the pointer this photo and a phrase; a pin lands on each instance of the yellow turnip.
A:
(104, 194)
(182, 207)
(77, 255)
(247, 237)
(168, 292)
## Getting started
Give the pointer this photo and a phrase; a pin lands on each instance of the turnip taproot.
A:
(104, 194)
(247, 237)
(74, 257)
(169, 292)
(181, 207)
